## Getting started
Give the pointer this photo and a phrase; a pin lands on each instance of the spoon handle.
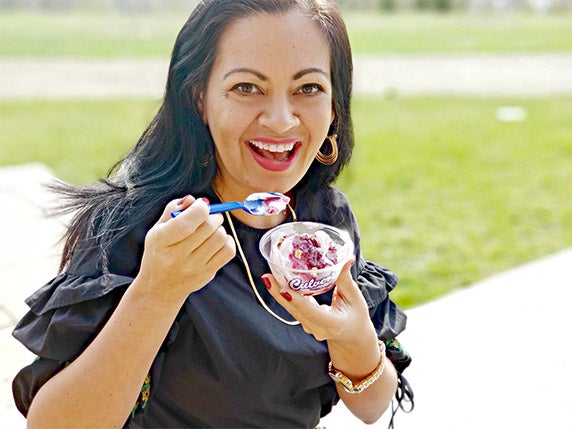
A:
(225, 207)
(217, 208)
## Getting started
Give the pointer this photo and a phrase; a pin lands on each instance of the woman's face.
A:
(268, 102)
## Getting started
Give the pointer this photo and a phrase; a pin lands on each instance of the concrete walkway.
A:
(494, 355)
(481, 75)
(28, 258)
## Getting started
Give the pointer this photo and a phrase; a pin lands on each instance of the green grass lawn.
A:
(79, 140)
(88, 34)
(152, 35)
(459, 33)
(445, 193)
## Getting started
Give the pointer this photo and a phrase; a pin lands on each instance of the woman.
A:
(153, 320)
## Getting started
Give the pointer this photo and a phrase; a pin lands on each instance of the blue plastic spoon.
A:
(259, 204)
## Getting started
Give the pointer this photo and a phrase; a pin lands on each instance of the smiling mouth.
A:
(273, 152)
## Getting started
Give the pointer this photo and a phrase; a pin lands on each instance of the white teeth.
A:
(273, 147)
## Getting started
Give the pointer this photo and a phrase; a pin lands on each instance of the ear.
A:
(333, 116)
(201, 106)
(332, 119)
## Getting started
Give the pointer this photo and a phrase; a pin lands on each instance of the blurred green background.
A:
(445, 192)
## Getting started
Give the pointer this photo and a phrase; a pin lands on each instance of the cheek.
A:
(319, 123)
(230, 119)
(220, 125)
(320, 115)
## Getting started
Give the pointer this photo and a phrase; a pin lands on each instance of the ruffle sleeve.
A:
(389, 321)
(375, 283)
(65, 316)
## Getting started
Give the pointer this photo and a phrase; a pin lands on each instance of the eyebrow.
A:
(260, 76)
(308, 71)
(246, 70)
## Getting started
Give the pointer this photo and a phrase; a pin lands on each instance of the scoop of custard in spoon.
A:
(259, 204)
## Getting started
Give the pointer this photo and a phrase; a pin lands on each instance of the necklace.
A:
(249, 274)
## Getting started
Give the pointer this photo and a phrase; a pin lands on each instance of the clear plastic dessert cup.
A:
(306, 257)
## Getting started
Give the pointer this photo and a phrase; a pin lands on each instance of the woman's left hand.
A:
(346, 319)
(351, 337)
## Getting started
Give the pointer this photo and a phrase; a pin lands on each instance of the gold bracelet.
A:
(348, 385)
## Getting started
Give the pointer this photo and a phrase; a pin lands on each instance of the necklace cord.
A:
(249, 274)
(294, 218)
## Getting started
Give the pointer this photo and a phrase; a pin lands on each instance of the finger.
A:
(320, 320)
(204, 231)
(305, 309)
(176, 205)
(210, 246)
(347, 296)
(224, 255)
(203, 264)
(179, 228)
(345, 284)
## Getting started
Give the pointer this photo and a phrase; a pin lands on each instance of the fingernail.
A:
(266, 282)
(205, 200)
(286, 295)
(182, 200)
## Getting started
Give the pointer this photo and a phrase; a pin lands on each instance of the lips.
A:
(274, 155)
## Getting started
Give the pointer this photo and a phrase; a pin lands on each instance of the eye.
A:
(310, 89)
(244, 88)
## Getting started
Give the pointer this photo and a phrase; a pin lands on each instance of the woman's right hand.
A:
(183, 254)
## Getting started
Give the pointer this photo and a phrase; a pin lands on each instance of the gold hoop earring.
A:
(333, 156)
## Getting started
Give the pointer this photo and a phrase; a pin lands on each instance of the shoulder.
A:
(121, 254)
(328, 205)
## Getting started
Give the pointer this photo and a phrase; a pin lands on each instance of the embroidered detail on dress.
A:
(141, 402)
(396, 345)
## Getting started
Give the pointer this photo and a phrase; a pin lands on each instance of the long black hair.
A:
(175, 154)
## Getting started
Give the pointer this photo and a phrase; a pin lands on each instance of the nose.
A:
(279, 115)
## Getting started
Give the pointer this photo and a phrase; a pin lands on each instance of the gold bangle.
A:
(351, 387)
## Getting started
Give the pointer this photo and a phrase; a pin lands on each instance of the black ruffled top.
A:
(226, 362)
